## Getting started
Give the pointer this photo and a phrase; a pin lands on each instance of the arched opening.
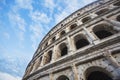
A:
(80, 41)
(103, 30)
(102, 11)
(62, 77)
(63, 49)
(53, 39)
(48, 57)
(98, 75)
(117, 4)
(86, 19)
(62, 33)
(118, 18)
(73, 26)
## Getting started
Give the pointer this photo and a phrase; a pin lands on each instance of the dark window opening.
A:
(102, 11)
(86, 19)
(97, 75)
(103, 34)
(62, 33)
(63, 49)
(53, 39)
(63, 77)
(81, 43)
(49, 56)
(117, 4)
(73, 26)
(46, 44)
(118, 18)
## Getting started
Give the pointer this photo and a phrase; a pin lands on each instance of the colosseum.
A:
(83, 46)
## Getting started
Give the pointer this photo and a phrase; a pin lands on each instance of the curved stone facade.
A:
(84, 46)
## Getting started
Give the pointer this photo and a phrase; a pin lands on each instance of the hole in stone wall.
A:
(117, 4)
(118, 18)
(103, 34)
(62, 33)
(62, 77)
(103, 30)
(97, 75)
(102, 11)
(86, 19)
(49, 56)
(73, 26)
(63, 49)
(80, 41)
(53, 39)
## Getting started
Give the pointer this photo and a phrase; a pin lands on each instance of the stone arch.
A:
(103, 30)
(117, 4)
(102, 11)
(73, 26)
(62, 33)
(53, 39)
(62, 77)
(97, 73)
(86, 19)
(63, 49)
(118, 18)
(48, 57)
(80, 41)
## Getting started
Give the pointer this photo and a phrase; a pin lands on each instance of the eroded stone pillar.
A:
(115, 23)
(93, 15)
(92, 38)
(74, 69)
(107, 54)
(56, 53)
(71, 44)
(43, 59)
(51, 76)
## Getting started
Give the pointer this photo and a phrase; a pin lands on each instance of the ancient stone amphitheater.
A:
(84, 46)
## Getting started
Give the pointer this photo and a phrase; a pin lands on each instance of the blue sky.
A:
(23, 24)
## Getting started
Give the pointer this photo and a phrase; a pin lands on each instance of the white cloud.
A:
(18, 24)
(49, 4)
(24, 4)
(88, 1)
(67, 10)
(38, 28)
(36, 35)
(39, 17)
(6, 76)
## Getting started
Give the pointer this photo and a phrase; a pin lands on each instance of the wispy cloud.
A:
(39, 17)
(23, 4)
(6, 76)
(50, 4)
(18, 24)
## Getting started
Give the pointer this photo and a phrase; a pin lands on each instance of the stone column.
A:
(67, 29)
(51, 76)
(93, 15)
(74, 69)
(56, 53)
(92, 38)
(71, 44)
(33, 68)
(107, 54)
(115, 23)
(37, 63)
(43, 59)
